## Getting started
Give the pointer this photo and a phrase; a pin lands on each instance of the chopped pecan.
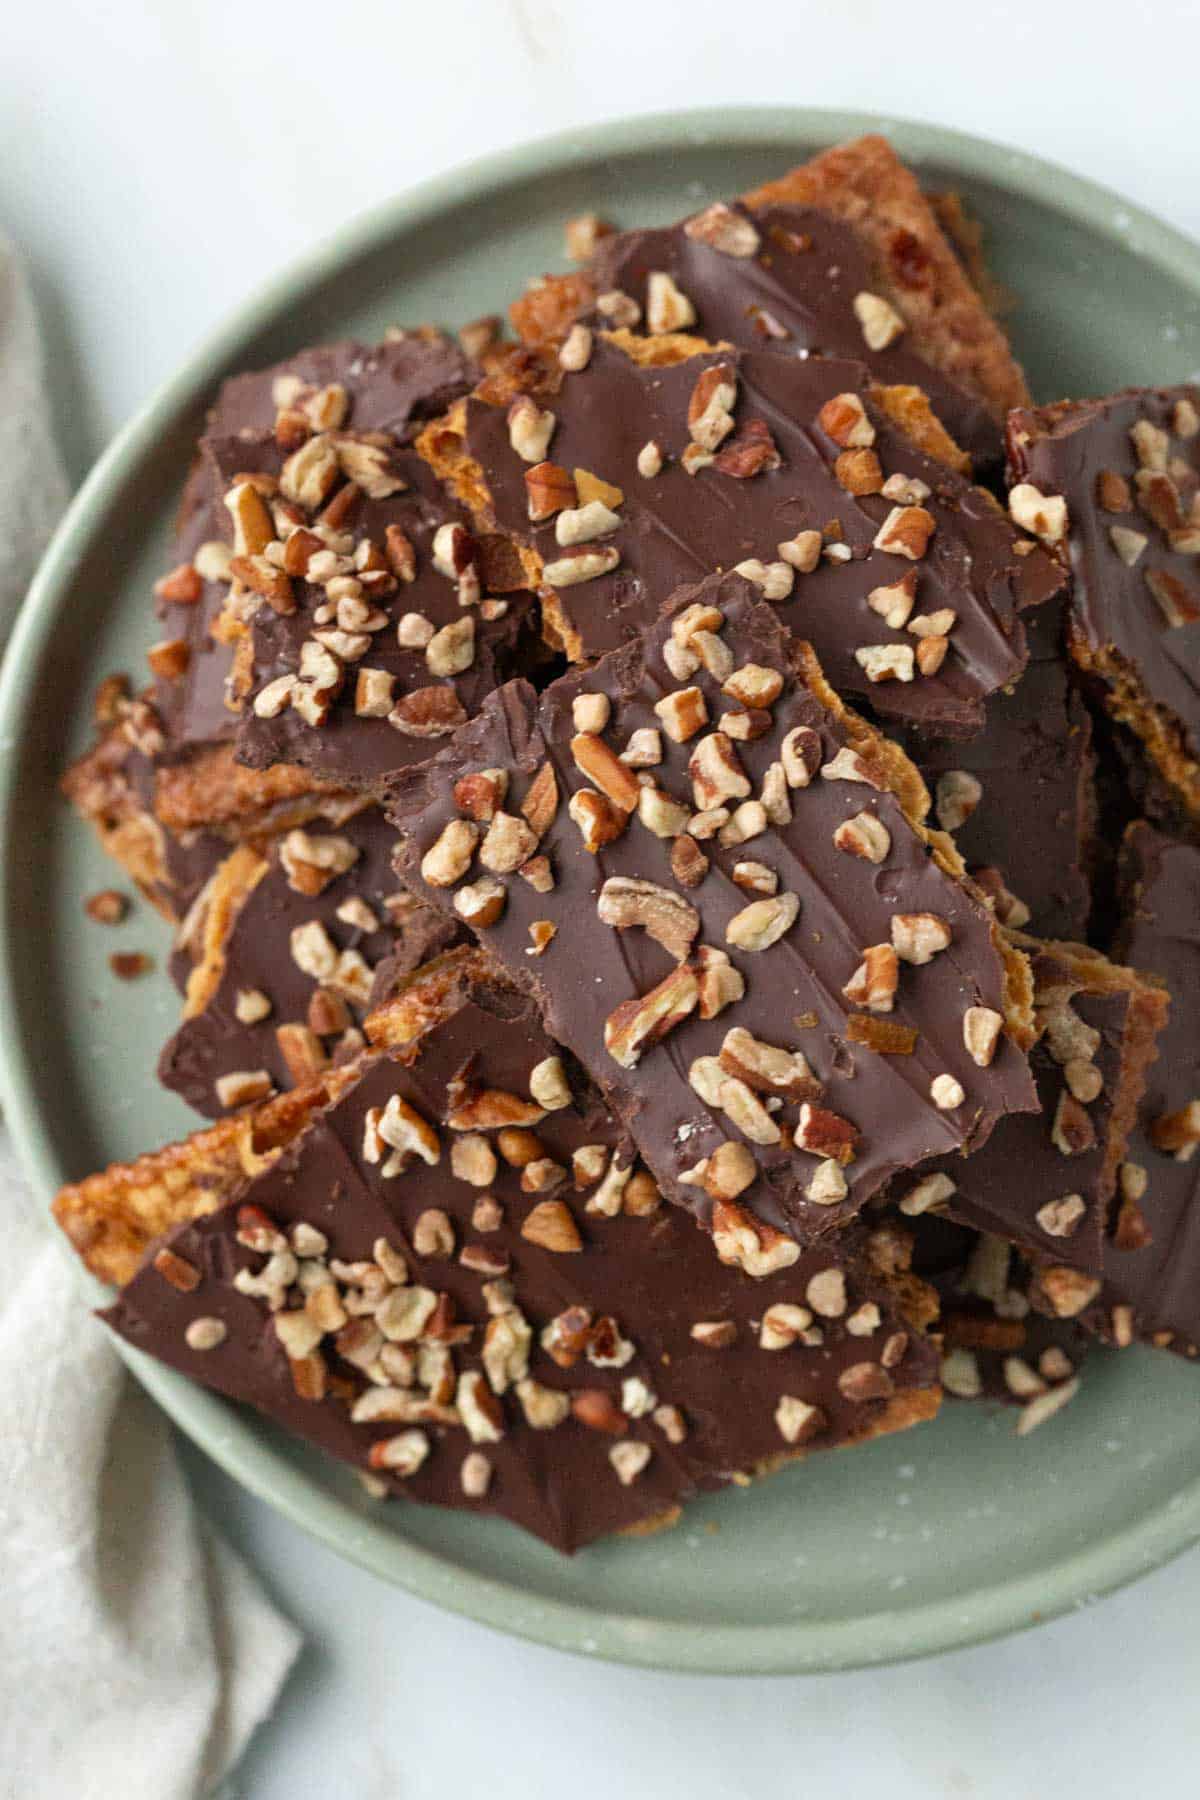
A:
(746, 1243)
(982, 1026)
(763, 922)
(1178, 603)
(1068, 1291)
(767, 1068)
(602, 766)
(549, 489)
(946, 1093)
(581, 566)
(710, 408)
(682, 712)
(858, 471)
(659, 813)
(636, 1024)
(508, 843)
(428, 712)
(958, 794)
(723, 229)
(481, 903)
(599, 821)
(530, 429)
(488, 1109)
(720, 984)
(596, 1409)
(825, 1133)
(550, 1226)
(480, 794)
(919, 937)
(1072, 1131)
(906, 532)
(716, 773)
(875, 980)
(665, 916)
(541, 800)
(881, 323)
(1177, 1133)
(864, 835)
(798, 1420)
(714, 1334)
(1045, 515)
(449, 856)
(844, 419)
(751, 452)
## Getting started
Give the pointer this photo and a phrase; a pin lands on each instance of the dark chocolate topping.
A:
(795, 294)
(651, 1276)
(1084, 451)
(1033, 822)
(351, 744)
(678, 527)
(794, 986)
(1159, 1279)
(260, 958)
(390, 387)
(1060, 1159)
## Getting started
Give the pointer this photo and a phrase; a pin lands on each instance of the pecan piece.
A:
(665, 916)
(752, 452)
(541, 800)
(428, 712)
(602, 766)
(638, 1023)
(744, 1242)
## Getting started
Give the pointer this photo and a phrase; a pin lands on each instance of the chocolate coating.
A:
(258, 956)
(391, 387)
(1066, 449)
(845, 904)
(349, 746)
(796, 295)
(654, 1274)
(1159, 1281)
(986, 1195)
(1033, 759)
(678, 527)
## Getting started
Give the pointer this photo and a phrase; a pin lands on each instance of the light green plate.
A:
(945, 1536)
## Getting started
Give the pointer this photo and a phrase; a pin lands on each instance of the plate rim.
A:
(228, 1437)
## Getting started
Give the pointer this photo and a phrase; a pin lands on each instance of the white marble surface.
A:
(156, 164)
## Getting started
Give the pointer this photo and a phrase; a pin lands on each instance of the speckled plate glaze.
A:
(945, 1536)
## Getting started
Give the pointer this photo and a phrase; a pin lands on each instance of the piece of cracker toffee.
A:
(842, 256)
(349, 387)
(662, 460)
(1152, 1257)
(1114, 487)
(459, 1281)
(1097, 1024)
(169, 824)
(1019, 799)
(715, 881)
(359, 608)
(278, 959)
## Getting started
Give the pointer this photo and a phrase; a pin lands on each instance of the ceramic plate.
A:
(944, 1536)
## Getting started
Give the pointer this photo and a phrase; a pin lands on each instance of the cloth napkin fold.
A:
(137, 1652)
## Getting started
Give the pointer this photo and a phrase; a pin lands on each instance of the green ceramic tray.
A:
(945, 1536)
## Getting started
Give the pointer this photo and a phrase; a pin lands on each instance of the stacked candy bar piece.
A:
(627, 800)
